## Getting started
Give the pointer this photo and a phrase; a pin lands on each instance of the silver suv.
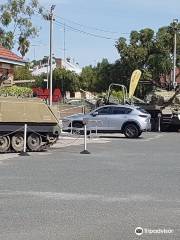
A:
(127, 119)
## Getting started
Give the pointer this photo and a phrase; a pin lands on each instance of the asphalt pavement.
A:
(64, 195)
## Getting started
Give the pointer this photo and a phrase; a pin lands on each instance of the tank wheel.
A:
(18, 142)
(52, 139)
(34, 142)
(4, 143)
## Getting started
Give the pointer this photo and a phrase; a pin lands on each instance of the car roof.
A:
(121, 105)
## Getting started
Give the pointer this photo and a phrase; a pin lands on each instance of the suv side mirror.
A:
(94, 114)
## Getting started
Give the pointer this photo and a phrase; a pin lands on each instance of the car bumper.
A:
(147, 128)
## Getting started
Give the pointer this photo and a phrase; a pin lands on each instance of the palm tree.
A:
(23, 45)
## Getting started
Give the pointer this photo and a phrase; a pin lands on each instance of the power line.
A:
(90, 27)
(85, 26)
(84, 32)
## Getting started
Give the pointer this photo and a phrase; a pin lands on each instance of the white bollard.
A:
(71, 128)
(159, 122)
(24, 153)
(85, 151)
(25, 137)
(96, 128)
(85, 137)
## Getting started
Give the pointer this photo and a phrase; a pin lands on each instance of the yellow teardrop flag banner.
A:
(134, 82)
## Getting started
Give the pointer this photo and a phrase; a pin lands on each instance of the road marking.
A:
(146, 138)
(154, 138)
(39, 153)
(142, 139)
(74, 141)
(87, 197)
(79, 196)
(7, 156)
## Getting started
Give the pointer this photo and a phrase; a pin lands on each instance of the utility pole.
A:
(175, 24)
(51, 19)
(64, 42)
(64, 50)
(47, 74)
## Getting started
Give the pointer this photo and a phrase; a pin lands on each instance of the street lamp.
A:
(175, 25)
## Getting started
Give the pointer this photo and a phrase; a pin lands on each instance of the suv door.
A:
(118, 117)
(102, 117)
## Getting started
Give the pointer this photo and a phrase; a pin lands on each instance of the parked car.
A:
(75, 102)
(127, 119)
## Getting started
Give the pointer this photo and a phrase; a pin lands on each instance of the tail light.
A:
(146, 117)
(143, 116)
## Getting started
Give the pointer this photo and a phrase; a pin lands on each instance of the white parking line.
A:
(121, 137)
(74, 141)
(77, 196)
(87, 197)
(7, 156)
(154, 138)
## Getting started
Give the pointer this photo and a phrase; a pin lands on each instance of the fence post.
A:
(83, 109)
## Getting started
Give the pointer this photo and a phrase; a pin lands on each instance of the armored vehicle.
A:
(163, 105)
(42, 124)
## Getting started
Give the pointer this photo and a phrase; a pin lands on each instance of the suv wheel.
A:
(77, 125)
(132, 131)
(140, 132)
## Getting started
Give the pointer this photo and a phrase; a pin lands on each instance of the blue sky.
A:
(116, 16)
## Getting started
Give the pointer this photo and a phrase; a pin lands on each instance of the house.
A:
(8, 61)
(178, 75)
(71, 65)
(67, 64)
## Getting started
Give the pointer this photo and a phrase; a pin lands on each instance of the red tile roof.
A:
(8, 55)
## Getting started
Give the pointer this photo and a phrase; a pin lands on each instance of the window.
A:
(142, 110)
(105, 111)
(121, 110)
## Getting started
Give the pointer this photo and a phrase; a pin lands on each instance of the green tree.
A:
(151, 53)
(66, 80)
(16, 20)
(135, 54)
(22, 73)
(103, 80)
(98, 78)
(88, 78)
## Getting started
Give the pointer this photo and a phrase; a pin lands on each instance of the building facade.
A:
(67, 64)
(8, 61)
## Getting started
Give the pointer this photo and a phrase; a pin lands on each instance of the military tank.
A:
(163, 105)
(42, 124)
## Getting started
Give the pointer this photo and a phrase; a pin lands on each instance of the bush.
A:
(16, 91)
(118, 94)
